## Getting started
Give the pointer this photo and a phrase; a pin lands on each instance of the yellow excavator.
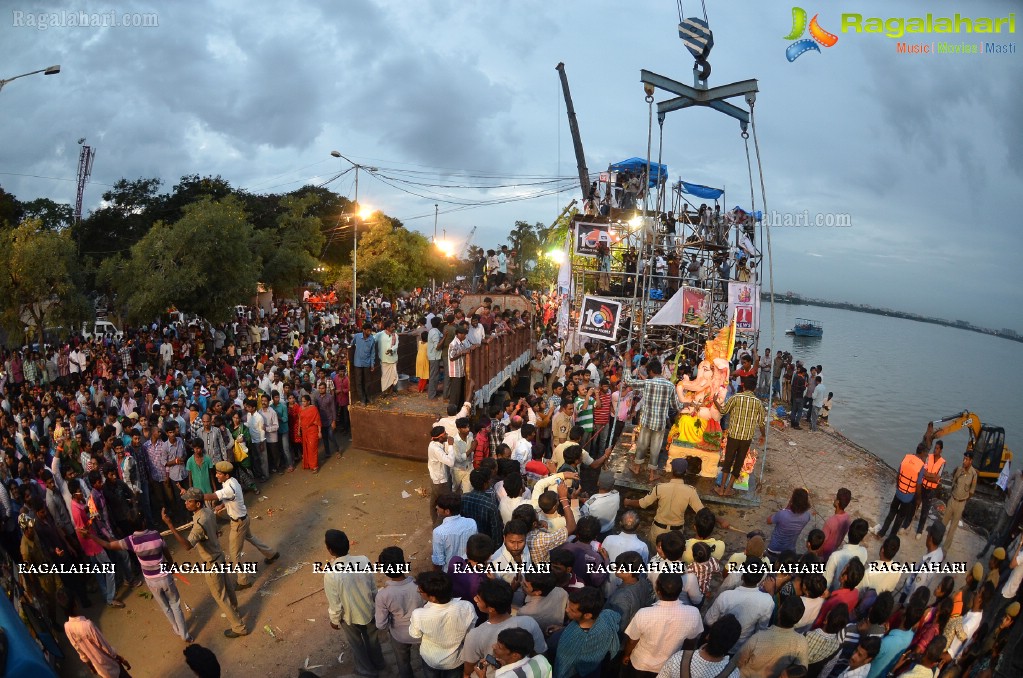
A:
(986, 442)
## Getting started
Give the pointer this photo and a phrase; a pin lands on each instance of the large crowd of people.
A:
(821, 605)
(539, 567)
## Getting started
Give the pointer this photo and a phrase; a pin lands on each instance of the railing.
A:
(490, 365)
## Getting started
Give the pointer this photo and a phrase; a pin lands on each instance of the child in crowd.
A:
(704, 566)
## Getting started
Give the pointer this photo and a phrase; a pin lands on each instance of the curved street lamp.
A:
(52, 70)
(355, 230)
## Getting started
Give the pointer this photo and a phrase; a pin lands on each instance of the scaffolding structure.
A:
(635, 242)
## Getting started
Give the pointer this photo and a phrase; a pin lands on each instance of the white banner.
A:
(744, 306)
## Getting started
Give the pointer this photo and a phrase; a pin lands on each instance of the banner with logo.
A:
(598, 318)
(588, 236)
(744, 306)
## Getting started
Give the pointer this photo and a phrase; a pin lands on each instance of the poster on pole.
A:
(744, 306)
(588, 236)
(599, 318)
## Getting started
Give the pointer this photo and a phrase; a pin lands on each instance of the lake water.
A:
(891, 376)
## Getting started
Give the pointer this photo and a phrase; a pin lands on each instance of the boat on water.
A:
(808, 328)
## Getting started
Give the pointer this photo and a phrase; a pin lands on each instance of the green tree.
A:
(124, 219)
(37, 282)
(289, 248)
(394, 259)
(55, 216)
(203, 264)
(10, 210)
(190, 189)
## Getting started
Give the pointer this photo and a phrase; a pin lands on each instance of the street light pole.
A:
(52, 70)
(434, 244)
(355, 229)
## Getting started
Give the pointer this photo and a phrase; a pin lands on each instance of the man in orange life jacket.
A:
(933, 468)
(908, 482)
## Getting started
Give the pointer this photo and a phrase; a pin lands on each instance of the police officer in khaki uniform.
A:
(230, 495)
(672, 499)
(204, 537)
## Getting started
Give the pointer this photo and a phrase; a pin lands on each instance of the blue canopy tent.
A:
(658, 172)
(24, 658)
(705, 192)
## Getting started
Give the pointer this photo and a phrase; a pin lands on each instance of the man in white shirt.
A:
(230, 495)
(439, 460)
(454, 414)
(513, 552)
(271, 427)
(752, 608)
(494, 599)
(604, 504)
(935, 534)
(657, 632)
(879, 575)
(257, 434)
(452, 535)
(166, 354)
(477, 333)
(627, 539)
(350, 589)
(442, 623)
(76, 363)
(837, 561)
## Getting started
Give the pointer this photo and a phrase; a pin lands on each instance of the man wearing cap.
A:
(230, 495)
(964, 484)
(204, 537)
(672, 499)
(457, 351)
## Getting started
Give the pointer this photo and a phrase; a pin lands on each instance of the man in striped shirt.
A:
(659, 396)
(457, 351)
(152, 553)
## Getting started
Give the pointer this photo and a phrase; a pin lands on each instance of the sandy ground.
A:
(361, 493)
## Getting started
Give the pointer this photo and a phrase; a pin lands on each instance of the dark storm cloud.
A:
(441, 111)
(923, 153)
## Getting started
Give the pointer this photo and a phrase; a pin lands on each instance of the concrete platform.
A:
(396, 425)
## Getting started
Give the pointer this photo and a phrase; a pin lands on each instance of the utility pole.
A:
(573, 125)
(434, 281)
(355, 228)
(355, 245)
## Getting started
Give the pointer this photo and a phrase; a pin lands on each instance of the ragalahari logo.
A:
(799, 26)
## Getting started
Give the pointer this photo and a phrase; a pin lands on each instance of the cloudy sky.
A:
(924, 153)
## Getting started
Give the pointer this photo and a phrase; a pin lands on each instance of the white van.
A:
(101, 329)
